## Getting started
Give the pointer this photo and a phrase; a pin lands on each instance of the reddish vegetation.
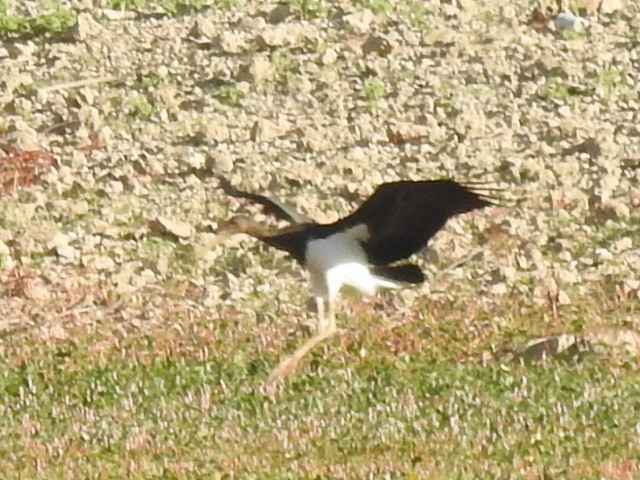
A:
(20, 168)
(16, 283)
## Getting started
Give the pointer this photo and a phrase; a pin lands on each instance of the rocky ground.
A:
(118, 118)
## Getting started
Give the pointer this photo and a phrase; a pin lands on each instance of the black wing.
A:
(271, 205)
(403, 216)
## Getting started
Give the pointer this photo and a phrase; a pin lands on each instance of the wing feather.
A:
(271, 205)
(403, 216)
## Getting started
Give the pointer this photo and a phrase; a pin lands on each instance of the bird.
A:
(366, 250)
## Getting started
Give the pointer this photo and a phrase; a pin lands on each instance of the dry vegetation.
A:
(133, 345)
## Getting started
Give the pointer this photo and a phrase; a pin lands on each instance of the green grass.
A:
(140, 410)
(52, 21)
(172, 8)
(229, 95)
(373, 90)
(309, 9)
(376, 6)
(184, 398)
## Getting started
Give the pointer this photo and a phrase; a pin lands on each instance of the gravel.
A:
(142, 112)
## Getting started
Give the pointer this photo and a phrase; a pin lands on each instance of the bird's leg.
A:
(323, 322)
(326, 328)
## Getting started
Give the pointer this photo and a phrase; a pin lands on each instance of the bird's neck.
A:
(292, 241)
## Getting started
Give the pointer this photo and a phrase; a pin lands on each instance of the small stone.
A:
(228, 42)
(196, 160)
(468, 5)
(25, 138)
(86, 27)
(284, 34)
(67, 252)
(329, 56)
(621, 245)
(103, 263)
(359, 22)
(564, 111)
(279, 13)
(616, 342)
(223, 161)
(59, 239)
(202, 27)
(117, 15)
(589, 6)
(265, 130)
(257, 70)
(377, 44)
(498, 288)
(609, 6)
(215, 131)
(162, 225)
(37, 290)
(4, 249)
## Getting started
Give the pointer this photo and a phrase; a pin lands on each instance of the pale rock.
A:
(563, 298)
(25, 137)
(215, 131)
(196, 160)
(603, 254)
(59, 240)
(162, 264)
(90, 117)
(564, 111)
(281, 35)
(117, 15)
(106, 136)
(4, 249)
(265, 130)
(257, 70)
(616, 341)
(167, 96)
(67, 252)
(203, 27)
(329, 56)
(590, 6)
(224, 161)
(609, 6)
(621, 245)
(37, 291)
(228, 42)
(359, 22)
(163, 225)
(468, 5)
(86, 27)
(114, 187)
(498, 289)
(103, 263)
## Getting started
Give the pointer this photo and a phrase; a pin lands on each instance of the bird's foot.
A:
(284, 368)
(289, 364)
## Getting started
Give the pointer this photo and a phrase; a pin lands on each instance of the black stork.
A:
(363, 250)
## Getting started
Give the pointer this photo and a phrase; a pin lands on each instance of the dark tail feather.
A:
(405, 273)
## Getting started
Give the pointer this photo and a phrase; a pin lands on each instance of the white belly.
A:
(340, 260)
